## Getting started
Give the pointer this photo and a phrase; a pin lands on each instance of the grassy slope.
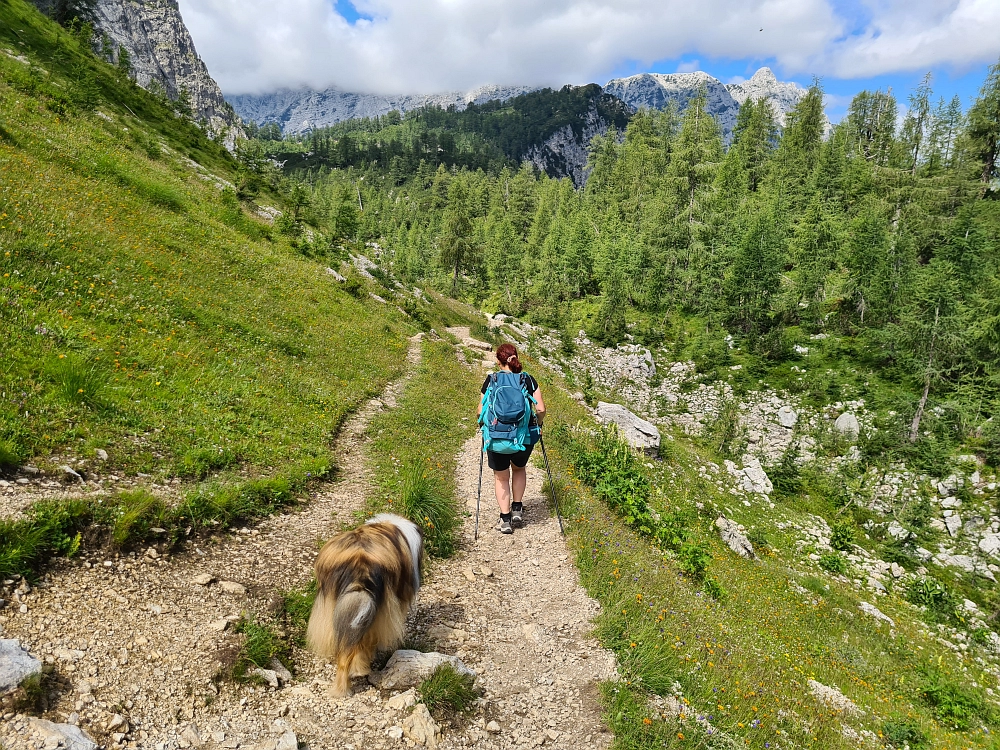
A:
(146, 314)
(745, 660)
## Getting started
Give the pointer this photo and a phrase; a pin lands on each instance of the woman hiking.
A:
(509, 476)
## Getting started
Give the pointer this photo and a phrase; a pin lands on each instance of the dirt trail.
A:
(137, 638)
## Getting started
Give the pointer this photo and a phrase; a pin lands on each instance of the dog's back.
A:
(367, 581)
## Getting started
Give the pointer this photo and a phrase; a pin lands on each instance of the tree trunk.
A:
(915, 425)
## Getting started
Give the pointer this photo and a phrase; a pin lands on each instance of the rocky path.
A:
(134, 643)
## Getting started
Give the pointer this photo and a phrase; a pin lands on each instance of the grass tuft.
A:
(260, 644)
(424, 501)
(447, 691)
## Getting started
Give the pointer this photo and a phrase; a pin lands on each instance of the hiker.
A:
(511, 426)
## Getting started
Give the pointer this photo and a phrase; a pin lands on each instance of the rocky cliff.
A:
(657, 90)
(764, 84)
(298, 111)
(162, 57)
(564, 153)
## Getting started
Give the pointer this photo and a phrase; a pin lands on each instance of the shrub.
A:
(447, 691)
(424, 501)
(932, 594)
(715, 589)
(900, 733)
(833, 562)
(786, 476)
(758, 538)
(954, 705)
(843, 536)
(724, 434)
(693, 559)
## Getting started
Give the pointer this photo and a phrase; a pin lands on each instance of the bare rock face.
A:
(657, 90)
(300, 110)
(764, 85)
(564, 153)
(636, 431)
(162, 55)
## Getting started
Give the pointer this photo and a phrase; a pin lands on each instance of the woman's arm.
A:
(539, 406)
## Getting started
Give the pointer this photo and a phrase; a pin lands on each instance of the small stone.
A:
(151, 552)
(421, 728)
(469, 575)
(493, 728)
(231, 587)
(202, 579)
(402, 700)
(219, 625)
(101, 454)
(281, 670)
(16, 665)
(488, 572)
(787, 417)
(70, 473)
(395, 732)
(407, 668)
(552, 734)
(287, 741)
(268, 675)
(191, 735)
(847, 424)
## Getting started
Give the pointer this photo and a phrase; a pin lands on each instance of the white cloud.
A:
(438, 45)
(434, 45)
(689, 67)
(913, 35)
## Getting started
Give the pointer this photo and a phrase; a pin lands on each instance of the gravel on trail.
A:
(132, 644)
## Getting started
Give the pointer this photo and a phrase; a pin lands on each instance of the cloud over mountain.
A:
(406, 46)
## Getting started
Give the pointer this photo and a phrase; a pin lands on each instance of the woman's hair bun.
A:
(507, 356)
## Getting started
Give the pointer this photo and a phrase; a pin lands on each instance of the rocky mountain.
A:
(764, 85)
(657, 90)
(162, 56)
(301, 110)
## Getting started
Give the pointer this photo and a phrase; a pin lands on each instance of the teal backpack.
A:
(506, 414)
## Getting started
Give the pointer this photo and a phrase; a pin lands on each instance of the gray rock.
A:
(202, 579)
(872, 611)
(847, 424)
(636, 431)
(101, 454)
(731, 535)
(953, 523)
(787, 417)
(990, 544)
(16, 665)
(162, 55)
(337, 276)
(192, 736)
(268, 675)
(231, 587)
(281, 670)
(70, 473)
(402, 700)
(287, 741)
(897, 531)
(565, 152)
(421, 728)
(493, 728)
(407, 668)
(780, 95)
(63, 736)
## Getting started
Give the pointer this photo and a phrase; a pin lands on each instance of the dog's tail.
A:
(333, 628)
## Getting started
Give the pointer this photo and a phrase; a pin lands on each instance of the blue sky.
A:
(429, 46)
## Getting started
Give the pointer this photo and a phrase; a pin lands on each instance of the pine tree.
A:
(456, 240)
(983, 133)
(916, 126)
(756, 273)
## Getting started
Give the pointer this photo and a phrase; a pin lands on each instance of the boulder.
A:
(847, 424)
(787, 417)
(897, 531)
(833, 698)
(636, 431)
(953, 523)
(16, 665)
(407, 668)
(64, 736)
(990, 544)
(731, 535)
(421, 727)
(872, 611)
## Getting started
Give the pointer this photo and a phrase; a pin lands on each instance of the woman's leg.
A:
(501, 481)
(518, 482)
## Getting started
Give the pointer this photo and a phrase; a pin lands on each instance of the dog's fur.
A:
(368, 578)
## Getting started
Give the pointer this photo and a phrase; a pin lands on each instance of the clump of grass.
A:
(138, 511)
(714, 589)
(447, 691)
(79, 382)
(294, 607)
(423, 501)
(198, 463)
(259, 646)
(842, 537)
(954, 705)
(833, 563)
(50, 528)
(10, 456)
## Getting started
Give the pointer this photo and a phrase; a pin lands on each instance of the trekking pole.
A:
(552, 487)
(479, 492)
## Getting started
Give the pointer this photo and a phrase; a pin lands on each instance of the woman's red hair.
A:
(507, 355)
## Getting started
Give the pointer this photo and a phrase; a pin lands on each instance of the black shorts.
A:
(502, 461)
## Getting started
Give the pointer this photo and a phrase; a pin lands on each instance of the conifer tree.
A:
(983, 133)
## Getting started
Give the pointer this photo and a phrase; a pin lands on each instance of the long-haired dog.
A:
(368, 578)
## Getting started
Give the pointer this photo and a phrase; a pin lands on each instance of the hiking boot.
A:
(517, 514)
(505, 527)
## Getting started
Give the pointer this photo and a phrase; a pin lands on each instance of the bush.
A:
(10, 456)
(842, 538)
(693, 559)
(424, 502)
(955, 706)
(932, 594)
(724, 434)
(758, 538)
(833, 562)
(715, 589)
(447, 691)
(786, 476)
(900, 733)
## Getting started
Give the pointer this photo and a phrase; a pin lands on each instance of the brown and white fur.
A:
(368, 579)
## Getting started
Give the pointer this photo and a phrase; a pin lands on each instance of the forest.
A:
(881, 234)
